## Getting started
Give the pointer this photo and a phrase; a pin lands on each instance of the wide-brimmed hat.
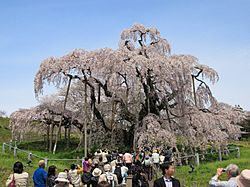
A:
(96, 172)
(62, 177)
(243, 180)
(107, 167)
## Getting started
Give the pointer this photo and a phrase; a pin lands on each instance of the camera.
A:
(223, 170)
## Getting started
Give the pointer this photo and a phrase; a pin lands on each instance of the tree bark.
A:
(68, 139)
(112, 121)
(195, 100)
(65, 134)
(51, 137)
(47, 137)
(85, 120)
(81, 140)
(91, 124)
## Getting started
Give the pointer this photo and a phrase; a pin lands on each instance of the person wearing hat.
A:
(95, 176)
(156, 159)
(167, 180)
(108, 176)
(40, 175)
(243, 180)
(232, 172)
(147, 166)
(62, 181)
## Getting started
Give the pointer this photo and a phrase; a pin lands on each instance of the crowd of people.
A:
(112, 170)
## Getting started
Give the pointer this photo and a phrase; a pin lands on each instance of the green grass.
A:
(206, 171)
(199, 177)
(5, 132)
(7, 159)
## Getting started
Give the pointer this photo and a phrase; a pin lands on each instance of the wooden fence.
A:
(29, 154)
(195, 157)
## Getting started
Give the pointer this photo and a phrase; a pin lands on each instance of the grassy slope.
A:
(200, 176)
(5, 134)
(7, 159)
(205, 172)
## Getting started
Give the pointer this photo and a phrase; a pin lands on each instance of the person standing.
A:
(168, 154)
(62, 181)
(139, 179)
(95, 176)
(147, 166)
(51, 177)
(124, 172)
(128, 160)
(40, 175)
(108, 176)
(74, 173)
(167, 180)
(243, 180)
(20, 177)
(232, 172)
(156, 158)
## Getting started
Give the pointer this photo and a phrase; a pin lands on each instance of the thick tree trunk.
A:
(85, 120)
(65, 134)
(195, 100)
(68, 139)
(81, 140)
(91, 125)
(112, 121)
(48, 135)
(51, 137)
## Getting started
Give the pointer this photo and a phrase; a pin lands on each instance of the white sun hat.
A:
(62, 177)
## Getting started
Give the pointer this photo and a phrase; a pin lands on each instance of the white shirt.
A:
(156, 158)
(214, 182)
(168, 182)
(124, 170)
(104, 157)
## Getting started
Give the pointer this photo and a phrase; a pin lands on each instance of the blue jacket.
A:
(39, 177)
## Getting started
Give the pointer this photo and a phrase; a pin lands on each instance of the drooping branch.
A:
(125, 81)
(125, 113)
(104, 87)
(93, 100)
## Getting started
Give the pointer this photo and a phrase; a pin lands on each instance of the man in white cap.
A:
(108, 176)
(62, 181)
(232, 171)
(243, 180)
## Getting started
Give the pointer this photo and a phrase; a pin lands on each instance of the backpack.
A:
(118, 173)
(110, 179)
(142, 183)
(86, 177)
(94, 180)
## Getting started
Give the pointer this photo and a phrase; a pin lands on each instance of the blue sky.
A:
(215, 31)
